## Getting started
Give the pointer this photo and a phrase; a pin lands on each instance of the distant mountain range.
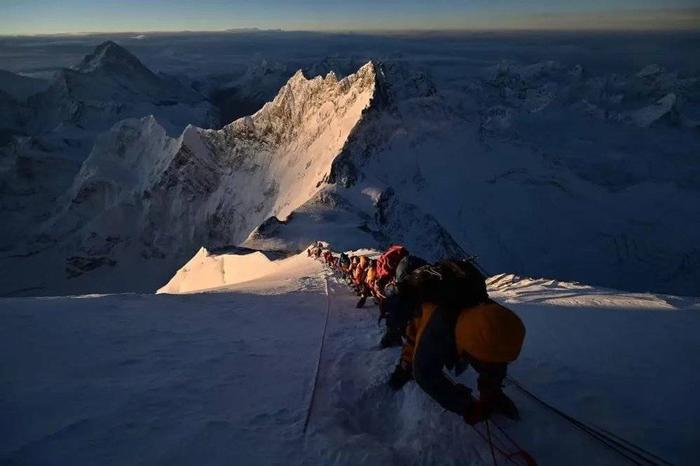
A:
(540, 169)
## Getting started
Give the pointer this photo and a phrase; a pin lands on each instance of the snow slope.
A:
(226, 377)
(207, 271)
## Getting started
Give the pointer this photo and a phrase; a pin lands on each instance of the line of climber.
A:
(442, 316)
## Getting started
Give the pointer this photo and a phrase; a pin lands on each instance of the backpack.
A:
(452, 284)
(407, 265)
(387, 262)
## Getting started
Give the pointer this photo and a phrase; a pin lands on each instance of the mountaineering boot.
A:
(400, 377)
(391, 338)
(501, 404)
(491, 392)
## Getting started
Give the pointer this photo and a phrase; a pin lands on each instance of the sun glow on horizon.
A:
(33, 17)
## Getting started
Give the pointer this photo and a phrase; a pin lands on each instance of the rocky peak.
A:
(301, 99)
(110, 57)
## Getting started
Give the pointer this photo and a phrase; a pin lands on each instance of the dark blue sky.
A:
(52, 16)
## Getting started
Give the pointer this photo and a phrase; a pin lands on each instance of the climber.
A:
(358, 275)
(343, 263)
(392, 268)
(354, 261)
(367, 285)
(458, 325)
(371, 277)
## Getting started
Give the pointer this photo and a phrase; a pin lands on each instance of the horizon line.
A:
(361, 30)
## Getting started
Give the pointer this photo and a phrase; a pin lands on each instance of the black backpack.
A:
(406, 266)
(452, 284)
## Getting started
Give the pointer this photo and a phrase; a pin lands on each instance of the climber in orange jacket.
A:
(458, 325)
(371, 276)
(366, 288)
(358, 276)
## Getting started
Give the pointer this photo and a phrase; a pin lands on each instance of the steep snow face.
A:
(367, 205)
(143, 195)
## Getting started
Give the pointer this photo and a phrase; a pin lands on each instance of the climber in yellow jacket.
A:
(457, 325)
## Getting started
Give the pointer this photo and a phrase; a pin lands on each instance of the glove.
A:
(475, 412)
(400, 377)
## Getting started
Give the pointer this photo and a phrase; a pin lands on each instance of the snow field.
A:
(226, 376)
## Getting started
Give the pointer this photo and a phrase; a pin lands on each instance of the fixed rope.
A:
(510, 456)
(516, 450)
(626, 449)
(633, 453)
(318, 361)
(491, 445)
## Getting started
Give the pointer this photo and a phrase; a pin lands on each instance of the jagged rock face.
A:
(141, 192)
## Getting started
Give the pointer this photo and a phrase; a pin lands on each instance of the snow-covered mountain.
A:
(210, 187)
(14, 113)
(44, 138)
(514, 168)
(110, 85)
